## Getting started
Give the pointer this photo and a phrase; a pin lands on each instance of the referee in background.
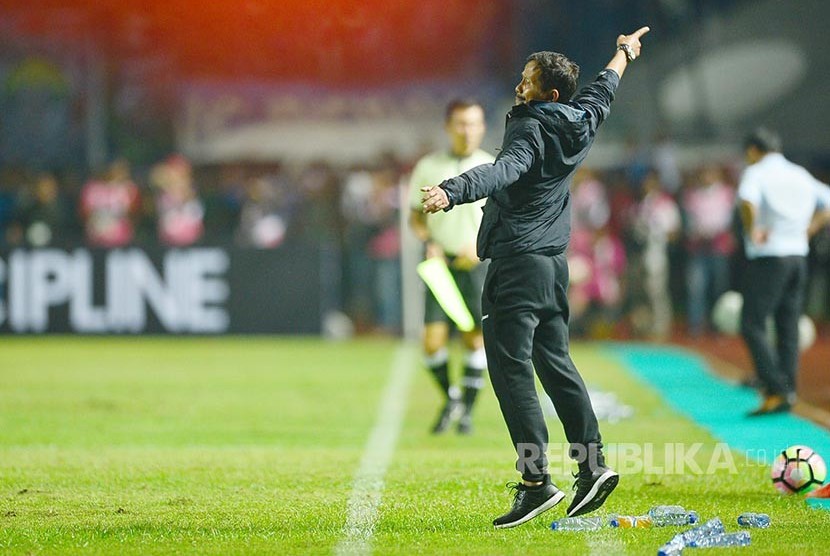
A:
(452, 236)
(781, 206)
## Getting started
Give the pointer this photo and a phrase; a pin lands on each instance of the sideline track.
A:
(686, 383)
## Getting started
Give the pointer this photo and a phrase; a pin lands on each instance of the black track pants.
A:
(525, 325)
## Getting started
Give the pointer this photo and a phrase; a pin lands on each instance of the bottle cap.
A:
(693, 517)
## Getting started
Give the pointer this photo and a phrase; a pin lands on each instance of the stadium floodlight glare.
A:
(435, 273)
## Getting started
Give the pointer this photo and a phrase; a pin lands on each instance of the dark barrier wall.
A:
(199, 290)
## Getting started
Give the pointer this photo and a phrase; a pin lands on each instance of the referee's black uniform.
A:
(525, 231)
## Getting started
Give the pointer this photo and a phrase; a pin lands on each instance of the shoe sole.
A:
(604, 486)
(549, 503)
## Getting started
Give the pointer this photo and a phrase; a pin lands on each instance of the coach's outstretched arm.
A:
(498, 175)
(596, 97)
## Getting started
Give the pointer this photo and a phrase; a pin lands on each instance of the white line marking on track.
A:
(367, 488)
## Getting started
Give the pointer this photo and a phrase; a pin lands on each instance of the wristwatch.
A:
(629, 54)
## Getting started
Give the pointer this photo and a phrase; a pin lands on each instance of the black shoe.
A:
(465, 424)
(592, 488)
(771, 406)
(452, 410)
(528, 502)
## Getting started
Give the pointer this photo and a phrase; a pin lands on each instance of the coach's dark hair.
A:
(557, 72)
(461, 104)
(765, 140)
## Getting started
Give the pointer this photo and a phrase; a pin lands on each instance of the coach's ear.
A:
(553, 95)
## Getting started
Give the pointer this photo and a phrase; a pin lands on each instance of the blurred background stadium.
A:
(207, 167)
(221, 170)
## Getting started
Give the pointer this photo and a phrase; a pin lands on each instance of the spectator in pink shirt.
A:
(708, 205)
(179, 210)
(596, 257)
(109, 207)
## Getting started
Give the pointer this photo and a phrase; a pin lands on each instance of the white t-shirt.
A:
(786, 197)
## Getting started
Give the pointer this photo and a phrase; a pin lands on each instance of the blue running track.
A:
(688, 385)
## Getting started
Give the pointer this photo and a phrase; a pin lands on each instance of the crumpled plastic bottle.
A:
(741, 538)
(675, 546)
(751, 519)
(578, 523)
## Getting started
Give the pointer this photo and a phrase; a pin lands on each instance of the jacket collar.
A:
(526, 108)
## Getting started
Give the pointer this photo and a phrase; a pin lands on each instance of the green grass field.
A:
(251, 446)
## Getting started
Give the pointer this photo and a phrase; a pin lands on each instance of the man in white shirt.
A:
(781, 205)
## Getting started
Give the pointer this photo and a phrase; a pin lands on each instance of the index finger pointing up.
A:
(640, 32)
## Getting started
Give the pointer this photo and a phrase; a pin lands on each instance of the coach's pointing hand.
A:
(628, 50)
(434, 199)
(630, 44)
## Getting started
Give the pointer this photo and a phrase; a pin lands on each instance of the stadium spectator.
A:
(320, 222)
(525, 231)
(179, 210)
(781, 206)
(596, 265)
(708, 206)
(655, 223)
(370, 206)
(41, 218)
(261, 224)
(384, 249)
(590, 210)
(222, 190)
(109, 207)
(320, 219)
(596, 258)
(452, 236)
(356, 194)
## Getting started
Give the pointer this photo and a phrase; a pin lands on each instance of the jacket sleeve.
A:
(514, 161)
(596, 98)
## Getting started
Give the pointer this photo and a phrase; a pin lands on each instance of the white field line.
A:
(367, 488)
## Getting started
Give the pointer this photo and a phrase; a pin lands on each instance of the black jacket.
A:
(528, 209)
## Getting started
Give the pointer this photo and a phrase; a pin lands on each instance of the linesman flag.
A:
(435, 273)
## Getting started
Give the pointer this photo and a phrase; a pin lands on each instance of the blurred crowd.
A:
(171, 204)
(653, 246)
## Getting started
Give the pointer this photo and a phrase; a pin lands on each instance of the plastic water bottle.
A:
(663, 510)
(578, 523)
(684, 518)
(713, 527)
(630, 521)
(671, 548)
(662, 516)
(741, 538)
(750, 519)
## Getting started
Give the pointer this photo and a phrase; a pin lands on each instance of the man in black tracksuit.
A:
(525, 232)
